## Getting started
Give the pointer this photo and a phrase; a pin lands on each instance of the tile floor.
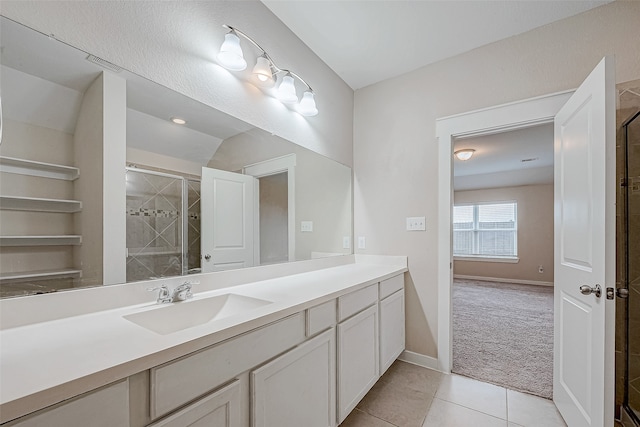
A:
(411, 396)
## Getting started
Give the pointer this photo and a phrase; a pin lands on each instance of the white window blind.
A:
(489, 229)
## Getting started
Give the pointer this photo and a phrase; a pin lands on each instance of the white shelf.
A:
(39, 205)
(32, 168)
(40, 240)
(40, 274)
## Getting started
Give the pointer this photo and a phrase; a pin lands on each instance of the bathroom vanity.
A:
(298, 349)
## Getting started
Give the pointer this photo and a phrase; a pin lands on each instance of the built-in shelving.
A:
(33, 168)
(39, 205)
(64, 240)
(40, 274)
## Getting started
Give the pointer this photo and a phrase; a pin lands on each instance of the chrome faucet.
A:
(164, 295)
(182, 292)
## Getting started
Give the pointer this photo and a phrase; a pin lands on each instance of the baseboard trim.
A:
(503, 280)
(419, 359)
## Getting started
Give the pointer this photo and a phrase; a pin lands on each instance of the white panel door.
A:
(227, 220)
(391, 329)
(298, 388)
(584, 239)
(358, 365)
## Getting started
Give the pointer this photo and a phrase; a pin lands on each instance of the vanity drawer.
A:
(357, 301)
(105, 407)
(391, 285)
(321, 317)
(176, 383)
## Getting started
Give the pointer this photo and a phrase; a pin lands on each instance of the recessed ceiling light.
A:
(178, 120)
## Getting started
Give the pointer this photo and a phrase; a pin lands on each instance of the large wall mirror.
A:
(214, 193)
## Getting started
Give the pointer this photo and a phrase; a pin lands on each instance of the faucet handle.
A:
(163, 295)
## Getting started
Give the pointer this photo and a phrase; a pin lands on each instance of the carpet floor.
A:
(503, 334)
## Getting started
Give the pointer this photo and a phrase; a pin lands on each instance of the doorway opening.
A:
(502, 234)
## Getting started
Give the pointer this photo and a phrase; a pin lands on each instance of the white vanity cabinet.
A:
(105, 407)
(357, 332)
(298, 388)
(183, 380)
(392, 321)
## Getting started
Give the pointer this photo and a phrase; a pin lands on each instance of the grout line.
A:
(381, 419)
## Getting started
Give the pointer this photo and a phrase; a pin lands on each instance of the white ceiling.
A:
(367, 41)
(498, 159)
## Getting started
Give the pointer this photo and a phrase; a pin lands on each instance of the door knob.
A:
(588, 290)
(207, 257)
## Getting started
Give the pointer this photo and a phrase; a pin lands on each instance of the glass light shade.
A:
(230, 55)
(262, 70)
(307, 105)
(287, 90)
(464, 154)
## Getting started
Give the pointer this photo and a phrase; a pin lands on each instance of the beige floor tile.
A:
(473, 394)
(398, 405)
(532, 411)
(414, 377)
(447, 414)
(358, 418)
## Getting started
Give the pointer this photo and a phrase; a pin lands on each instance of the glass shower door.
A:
(154, 225)
(632, 181)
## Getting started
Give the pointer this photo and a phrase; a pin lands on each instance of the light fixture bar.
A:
(277, 70)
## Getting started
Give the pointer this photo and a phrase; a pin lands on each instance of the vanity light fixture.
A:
(178, 121)
(464, 154)
(265, 72)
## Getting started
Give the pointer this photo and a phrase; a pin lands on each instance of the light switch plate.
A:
(346, 242)
(416, 223)
(362, 244)
(306, 226)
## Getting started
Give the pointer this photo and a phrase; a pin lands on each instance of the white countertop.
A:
(47, 362)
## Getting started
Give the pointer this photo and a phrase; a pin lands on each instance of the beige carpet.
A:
(503, 334)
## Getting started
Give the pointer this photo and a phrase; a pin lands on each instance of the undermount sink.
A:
(169, 318)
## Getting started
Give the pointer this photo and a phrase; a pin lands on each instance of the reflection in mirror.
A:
(83, 137)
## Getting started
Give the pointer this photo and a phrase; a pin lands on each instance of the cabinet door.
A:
(298, 388)
(218, 409)
(391, 329)
(357, 359)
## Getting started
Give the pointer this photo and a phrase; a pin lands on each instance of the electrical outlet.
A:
(306, 226)
(362, 244)
(346, 242)
(416, 223)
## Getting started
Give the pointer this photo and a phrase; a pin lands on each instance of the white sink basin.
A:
(169, 318)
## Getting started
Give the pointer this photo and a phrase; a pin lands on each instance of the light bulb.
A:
(307, 105)
(262, 70)
(287, 90)
(230, 55)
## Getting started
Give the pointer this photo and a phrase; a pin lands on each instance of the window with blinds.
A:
(488, 229)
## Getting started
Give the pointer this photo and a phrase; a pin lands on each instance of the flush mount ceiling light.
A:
(464, 154)
(178, 120)
(265, 72)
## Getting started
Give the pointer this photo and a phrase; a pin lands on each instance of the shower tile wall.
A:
(629, 105)
(154, 226)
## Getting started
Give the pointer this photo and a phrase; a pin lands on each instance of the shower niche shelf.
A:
(40, 169)
(39, 205)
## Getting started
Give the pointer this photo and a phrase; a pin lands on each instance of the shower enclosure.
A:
(628, 318)
(163, 224)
